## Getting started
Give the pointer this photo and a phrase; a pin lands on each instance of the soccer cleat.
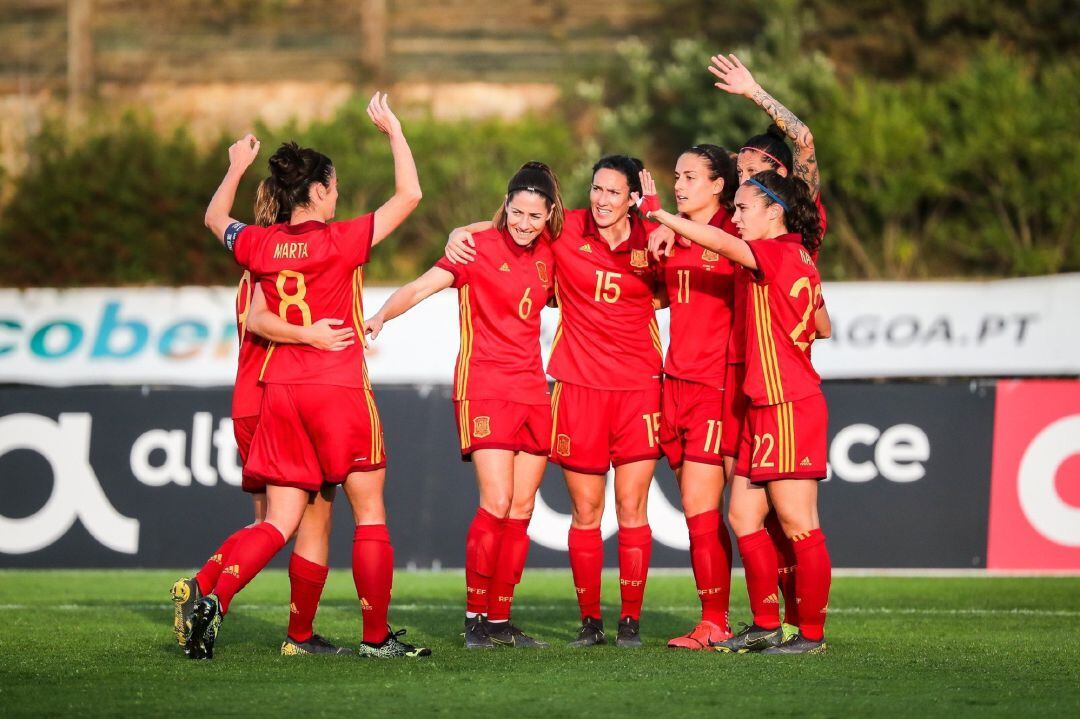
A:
(751, 639)
(789, 630)
(392, 648)
(705, 635)
(203, 628)
(476, 636)
(798, 644)
(506, 634)
(185, 592)
(629, 636)
(590, 634)
(315, 645)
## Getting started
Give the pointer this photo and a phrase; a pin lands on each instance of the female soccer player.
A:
(767, 151)
(784, 439)
(318, 420)
(500, 391)
(607, 361)
(307, 565)
(700, 289)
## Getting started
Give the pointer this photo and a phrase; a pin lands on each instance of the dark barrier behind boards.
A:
(144, 477)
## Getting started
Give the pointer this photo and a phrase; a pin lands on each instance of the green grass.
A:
(100, 643)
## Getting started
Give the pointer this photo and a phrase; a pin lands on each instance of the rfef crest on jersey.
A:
(638, 258)
(542, 272)
(710, 256)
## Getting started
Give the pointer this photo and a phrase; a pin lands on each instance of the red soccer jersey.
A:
(701, 292)
(783, 294)
(309, 272)
(247, 392)
(737, 346)
(607, 337)
(500, 296)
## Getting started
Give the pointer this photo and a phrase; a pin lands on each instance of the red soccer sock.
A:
(759, 561)
(253, 549)
(306, 579)
(513, 551)
(785, 554)
(635, 551)
(207, 576)
(712, 565)
(586, 564)
(373, 574)
(481, 558)
(813, 577)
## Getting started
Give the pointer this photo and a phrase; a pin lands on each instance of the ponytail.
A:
(793, 195)
(268, 208)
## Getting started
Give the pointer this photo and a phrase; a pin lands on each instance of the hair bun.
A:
(286, 164)
(535, 165)
(776, 132)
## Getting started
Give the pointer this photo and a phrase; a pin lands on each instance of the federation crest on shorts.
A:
(638, 258)
(542, 271)
(481, 427)
(562, 445)
(710, 256)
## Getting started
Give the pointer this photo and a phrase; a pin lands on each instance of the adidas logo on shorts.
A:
(805, 462)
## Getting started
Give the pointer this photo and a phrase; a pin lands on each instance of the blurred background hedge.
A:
(947, 140)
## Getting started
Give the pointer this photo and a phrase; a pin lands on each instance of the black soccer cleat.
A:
(203, 628)
(798, 644)
(590, 634)
(751, 639)
(314, 645)
(506, 634)
(185, 592)
(629, 636)
(476, 636)
(392, 648)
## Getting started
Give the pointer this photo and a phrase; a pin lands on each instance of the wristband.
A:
(649, 203)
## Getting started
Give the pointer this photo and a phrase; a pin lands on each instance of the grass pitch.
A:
(80, 643)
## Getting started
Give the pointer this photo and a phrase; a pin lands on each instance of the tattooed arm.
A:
(736, 79)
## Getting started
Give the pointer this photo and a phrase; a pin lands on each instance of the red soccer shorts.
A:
(244, 432)
(785, 441)
(691, 422)
(595, 429)
(495, 424)
(736, 404)
(314, 433)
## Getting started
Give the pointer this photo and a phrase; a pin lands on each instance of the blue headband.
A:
(770, 193)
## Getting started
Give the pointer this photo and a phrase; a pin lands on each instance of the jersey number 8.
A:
(296, 299)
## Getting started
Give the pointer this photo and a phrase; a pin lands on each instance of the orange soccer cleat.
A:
(705, 635)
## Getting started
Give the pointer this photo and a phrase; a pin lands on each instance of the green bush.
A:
(122, 204)
(971, 173)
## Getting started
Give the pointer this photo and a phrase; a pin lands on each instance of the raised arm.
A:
(709, 237)
(406, 182)
(218, 215)
(736, 79)
(460, 246)
(326, 334)
(407, 297)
